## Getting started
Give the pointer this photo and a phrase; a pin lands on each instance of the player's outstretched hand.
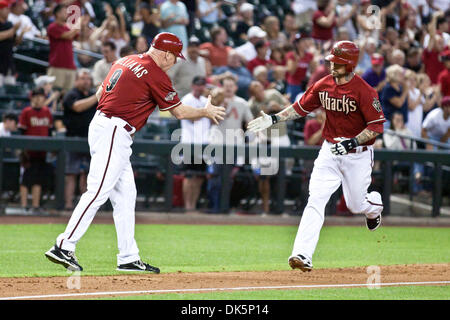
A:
(343, 146)
(215, 113)
(260, 123)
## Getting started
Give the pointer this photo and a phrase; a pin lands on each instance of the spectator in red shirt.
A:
(35, 120)
(216, 51)
(324, 19)
(431, 52)
(314, 127)
(61, 61)
(261, 52)
(298, 63)
(444, 76)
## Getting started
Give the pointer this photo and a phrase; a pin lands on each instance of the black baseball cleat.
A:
(300, 262)
(138, 266)
(373, 224)
(63, 257)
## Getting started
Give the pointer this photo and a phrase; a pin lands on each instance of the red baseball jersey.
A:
(350, 107)
(36, 122)
(134, 87)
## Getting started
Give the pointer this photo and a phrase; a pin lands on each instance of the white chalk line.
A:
(371, 285)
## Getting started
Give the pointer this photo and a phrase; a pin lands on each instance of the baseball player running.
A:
(354, 119)
(133, 88)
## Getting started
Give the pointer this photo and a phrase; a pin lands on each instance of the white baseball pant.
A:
(353, 171)
(110, 176)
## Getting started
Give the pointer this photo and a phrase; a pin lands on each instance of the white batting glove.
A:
(343, 146)
(263, 122)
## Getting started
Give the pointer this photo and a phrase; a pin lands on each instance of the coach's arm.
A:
(183, 111)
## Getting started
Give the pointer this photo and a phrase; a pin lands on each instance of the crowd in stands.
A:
(251, 56)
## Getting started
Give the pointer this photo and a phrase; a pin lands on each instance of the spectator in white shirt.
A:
(17, 10)
(101, 67)
(8, 125)
(248, 51)
(436, 125)
(194, 132)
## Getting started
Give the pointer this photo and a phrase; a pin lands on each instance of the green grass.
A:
(196, 248)
(384, 293)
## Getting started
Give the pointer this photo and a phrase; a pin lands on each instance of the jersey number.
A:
(113, 80)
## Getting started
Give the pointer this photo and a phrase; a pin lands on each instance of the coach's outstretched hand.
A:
(260, 123)
(215, 113)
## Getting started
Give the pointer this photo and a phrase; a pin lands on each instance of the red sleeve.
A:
(308, 102)
(24, 120)
(163, 92)
(372, 111)
(55, 31)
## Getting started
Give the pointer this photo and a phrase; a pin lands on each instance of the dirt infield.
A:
(215, 281)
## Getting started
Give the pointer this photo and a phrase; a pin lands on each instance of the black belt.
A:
(364, 148)
(126, 127)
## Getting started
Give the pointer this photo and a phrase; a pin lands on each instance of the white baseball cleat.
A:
(300, 262)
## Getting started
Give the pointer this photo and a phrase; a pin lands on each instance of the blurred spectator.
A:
(304, 10)
(261, 74)
(444, 75)
(430, 93)
(415, 105)
(314, 127)
(235, 68)
(324, 19)
(248, 50)
(365, 23)
(8, 125)
(210, 11)
(440, 26)
(52, 96)
(62, 65)
(141, 45)
(278, 56)
(112, 29)
(275, 37)
(126, 51)
(7, 41)
(279, 78)
(174, 19)
(216, 51)
(322, 70)
(270, 102)
(290, 27)
(84, 41)
(369, 46)
(237, 114)
(243, 22)
(397, 57)
(192, 9)
(430, 55)
(394, 96)
(298, 63)
(79, 108)
(436, 125)
(35, 120)
(376, 76)
(152, 22)
(414, 61)
(101, 67)
(342, 34)
(194, 132)
(394, 142)
(17, 10)
(261, 56)
(183, 72)
(346, 9)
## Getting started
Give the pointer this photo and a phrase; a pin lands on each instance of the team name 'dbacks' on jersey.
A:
(134, 87)
(350, 107)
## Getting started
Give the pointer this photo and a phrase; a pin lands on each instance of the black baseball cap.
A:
(199, 80)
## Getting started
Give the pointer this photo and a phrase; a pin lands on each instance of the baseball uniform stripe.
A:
(176, 104)
(99, 189)
(375, 121)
